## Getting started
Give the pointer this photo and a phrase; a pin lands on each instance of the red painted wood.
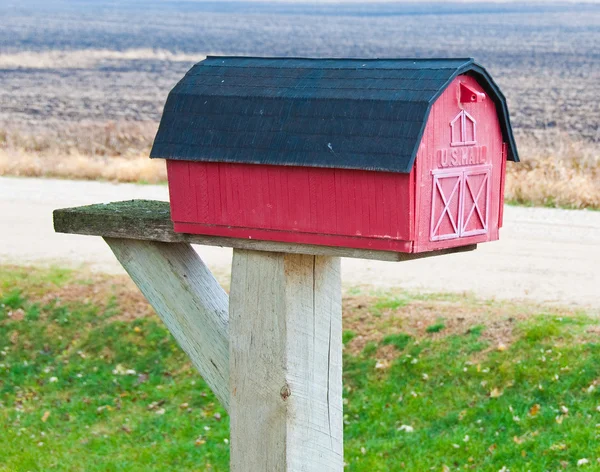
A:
(356, 242)
(461, 150)
(455, 159)
(304, 200)
(502, 181)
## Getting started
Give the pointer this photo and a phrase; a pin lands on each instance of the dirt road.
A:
(545, 255)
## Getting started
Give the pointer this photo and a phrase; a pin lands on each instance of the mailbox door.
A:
(446, 205)
(475, 201)
(460, 202)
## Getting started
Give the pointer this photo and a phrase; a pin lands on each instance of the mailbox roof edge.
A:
(339, 113)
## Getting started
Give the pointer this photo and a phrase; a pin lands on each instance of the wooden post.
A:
(285, 363)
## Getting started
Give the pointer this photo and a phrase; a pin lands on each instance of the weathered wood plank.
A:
(285, 363)
(150, 220)
(189, 301)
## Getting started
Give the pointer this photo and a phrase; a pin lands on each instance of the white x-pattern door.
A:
(460, 202)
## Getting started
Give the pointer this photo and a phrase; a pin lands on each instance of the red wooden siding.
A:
(294, 204)
(459, 169)
(502, 183)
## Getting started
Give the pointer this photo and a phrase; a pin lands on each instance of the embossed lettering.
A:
(455, 161)
(443, 153)
(461, 156)
(465, 156)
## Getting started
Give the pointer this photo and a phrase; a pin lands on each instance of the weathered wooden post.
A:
(285, 362)
(295, 163)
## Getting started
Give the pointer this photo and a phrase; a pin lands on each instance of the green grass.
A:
(435, 328)
(82, 389)
(389, 303)
(348, 336)
(399, 341)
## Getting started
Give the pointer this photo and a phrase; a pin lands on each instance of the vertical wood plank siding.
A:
(337, 202)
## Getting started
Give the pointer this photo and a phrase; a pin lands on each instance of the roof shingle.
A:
(345, 113)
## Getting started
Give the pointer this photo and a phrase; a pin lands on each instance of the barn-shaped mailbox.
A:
(405, 155)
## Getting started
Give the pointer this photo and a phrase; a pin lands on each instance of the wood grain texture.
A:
(188, 299)
(285, 363)
(299, 200)
(294, 237)
(150, 220)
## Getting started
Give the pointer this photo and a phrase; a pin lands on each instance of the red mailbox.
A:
(405, 155)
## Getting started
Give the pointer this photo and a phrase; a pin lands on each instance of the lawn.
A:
(90, 380)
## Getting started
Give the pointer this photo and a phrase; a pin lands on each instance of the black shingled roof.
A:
(344, 113)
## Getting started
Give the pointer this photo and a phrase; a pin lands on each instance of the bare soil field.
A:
(82, 84)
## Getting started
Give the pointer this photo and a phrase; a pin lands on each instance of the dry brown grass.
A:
(563, 173)
(555, 171)
(65, 287)
(87, 138)
(456, 314)
(137, 169)
(111, 151)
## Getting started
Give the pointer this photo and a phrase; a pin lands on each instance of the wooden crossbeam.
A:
(150, 220)
(188, 299)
